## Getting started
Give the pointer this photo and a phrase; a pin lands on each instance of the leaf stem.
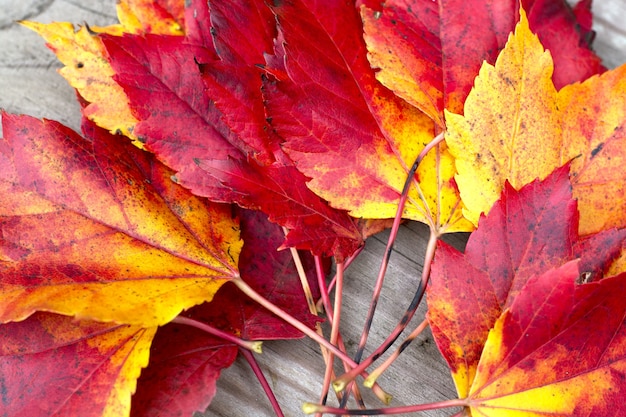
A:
(310, 408)
(263, 381)
(369, 381)
(303, 278)
(340, 383)
(334, 332)
(250, 292)
(325, 300)
(347, 263)
(245, 344)
(390, 242)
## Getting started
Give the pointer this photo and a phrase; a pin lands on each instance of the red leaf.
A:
(354, 138)
(559, 350)
(198, 25)
(185, 364)
(525, 234)
(243, 30)
(52, 365)
(210, 158)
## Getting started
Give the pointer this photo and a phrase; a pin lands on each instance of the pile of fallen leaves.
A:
(215, 134)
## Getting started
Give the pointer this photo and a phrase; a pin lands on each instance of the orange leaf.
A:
(594, 122)
(97, 229)
(54, 365)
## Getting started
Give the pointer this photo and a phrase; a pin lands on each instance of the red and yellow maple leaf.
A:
(517, 127)
(559, 350)
(97, 229)
(354, 138)
(55, 365)
(526, 233)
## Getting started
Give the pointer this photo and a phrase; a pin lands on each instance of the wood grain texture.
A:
(29, 84)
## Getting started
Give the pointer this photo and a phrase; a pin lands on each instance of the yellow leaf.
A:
(517, 128)
(511, 128)
(87, 70)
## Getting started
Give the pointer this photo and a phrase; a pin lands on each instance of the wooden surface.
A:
(29, 84)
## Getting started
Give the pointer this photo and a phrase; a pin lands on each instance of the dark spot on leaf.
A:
(80, 65)
(597, 149)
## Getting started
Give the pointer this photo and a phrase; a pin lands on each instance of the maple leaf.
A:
(558, 350)
(212, 154)
(517, 127)
(55, 365)
(426, 56)
(95, 228)
(184, 358)
(354, 138)
(525, 234)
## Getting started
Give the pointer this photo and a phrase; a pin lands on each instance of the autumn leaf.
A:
(354, 138)
(429, 52)
(212, 154)
(525, 234)
(95, 228)
(184, 358)
(558, 350)
(517, 127)
(55, 365)
(86, 67)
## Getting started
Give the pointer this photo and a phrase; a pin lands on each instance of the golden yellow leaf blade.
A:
(130, 360)
(511, 129)
(87, 70)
